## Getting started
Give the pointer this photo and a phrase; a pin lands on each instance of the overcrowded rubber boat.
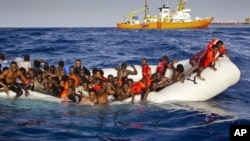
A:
(166, 19)
(216, 82)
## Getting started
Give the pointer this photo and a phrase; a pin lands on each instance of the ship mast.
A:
(181, 5)
(146, 9)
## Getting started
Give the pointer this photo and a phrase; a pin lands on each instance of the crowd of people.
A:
(80, 85)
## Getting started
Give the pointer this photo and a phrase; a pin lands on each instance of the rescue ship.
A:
(166, 19)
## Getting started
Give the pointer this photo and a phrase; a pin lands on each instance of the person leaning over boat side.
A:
(123, 73)
(162, 81)
(146, 71)
(10, 75)
(221, 46)
(200, 61)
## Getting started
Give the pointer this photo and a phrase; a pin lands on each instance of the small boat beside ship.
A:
(166, 19)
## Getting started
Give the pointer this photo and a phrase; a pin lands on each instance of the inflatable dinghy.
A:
(226, 75)
(216, 82)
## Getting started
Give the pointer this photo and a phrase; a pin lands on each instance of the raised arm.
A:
(134, 72)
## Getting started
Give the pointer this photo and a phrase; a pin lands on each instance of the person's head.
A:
(52, 69)
(99, 74)
(123, 65)
(158, 76)
(180, 68)
(61, 64)
(72, 70)
(2, 56)
(92, 94)
(23, 70)
(130, 82)
(62, 72)
(39, 77)
(86, 71)
(13, 66)
(125, 86)
(144, 61)
(115, 81)
(46, 67)
(165, 57)
(153, 86)
(26, 58)
(219, 43)
(94, 70)
(85, 85)
(37, 64)
(110, 77)
(78, 63)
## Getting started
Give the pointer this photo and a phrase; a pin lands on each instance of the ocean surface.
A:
(25, 120)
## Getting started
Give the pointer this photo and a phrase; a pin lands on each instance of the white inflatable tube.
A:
(216, 82)
(32, 96)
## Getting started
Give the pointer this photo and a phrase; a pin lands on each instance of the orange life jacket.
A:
(146, 74)
(211, 57)
(138, 87)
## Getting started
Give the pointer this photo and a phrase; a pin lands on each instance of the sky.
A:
(106, 13)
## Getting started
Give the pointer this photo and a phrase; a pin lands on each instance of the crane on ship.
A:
(131, 14)
(181, 5)
(145, 9)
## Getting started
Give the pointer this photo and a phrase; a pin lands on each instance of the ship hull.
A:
(202, 23)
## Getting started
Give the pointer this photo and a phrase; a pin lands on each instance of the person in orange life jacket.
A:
(123, 73)
(201, 60)
(221, 46)
(146, 71)
(162, 65)
(139, 87)
(68, 82)
(212, 55)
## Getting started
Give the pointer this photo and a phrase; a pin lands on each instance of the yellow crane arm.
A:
(131, 14)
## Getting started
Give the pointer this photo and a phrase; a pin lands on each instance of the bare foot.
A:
(201, 78)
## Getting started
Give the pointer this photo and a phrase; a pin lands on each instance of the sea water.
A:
(25, 119)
